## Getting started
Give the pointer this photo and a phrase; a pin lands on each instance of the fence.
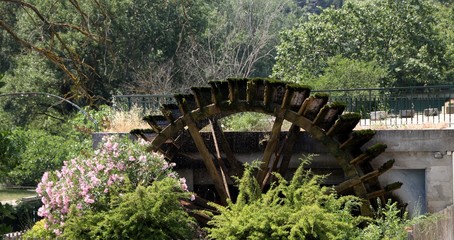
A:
(13, 236)
(149, 103)
(442, 228)
(399, 106)
(378, 106)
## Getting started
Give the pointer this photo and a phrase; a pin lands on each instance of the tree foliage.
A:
(344, 73)
(97, 45)
(240, 39)
(28, 155)
(401, 36)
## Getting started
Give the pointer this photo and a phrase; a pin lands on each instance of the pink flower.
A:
(99, 167)
(88, 200)
(57, 232)
(45, 177)
(192, 197)
(183, 184)
(165, 166)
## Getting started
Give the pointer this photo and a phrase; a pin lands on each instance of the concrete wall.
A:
(424, 163)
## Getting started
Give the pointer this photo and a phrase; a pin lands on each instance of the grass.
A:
(125, 121)
(8, 194)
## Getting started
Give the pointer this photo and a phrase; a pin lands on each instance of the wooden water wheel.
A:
(323, 120)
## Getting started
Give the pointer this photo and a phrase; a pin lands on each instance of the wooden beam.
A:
(387, 189)
(235, 165)
(288, 150)
(207, 159)
(367, 177)
(270, 148)
(222, 167)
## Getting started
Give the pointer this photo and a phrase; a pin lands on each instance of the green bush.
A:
(19, 217)
(153, 212)
(247, 121)
(37, 151)
(301, 209)
(7, 218)
(38, 231)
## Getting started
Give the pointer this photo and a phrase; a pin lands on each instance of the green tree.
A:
(399, 35)
(239, 41)
(98, 45)
(344, 73)
(35, 152)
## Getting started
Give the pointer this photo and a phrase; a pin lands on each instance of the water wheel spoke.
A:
(269, 150)
(219, 136)
(288, 149)
(207, 160)
(381, 192)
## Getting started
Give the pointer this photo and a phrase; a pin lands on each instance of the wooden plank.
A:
(237, 89)
(171, 112)
(207, 159)
(219, 91)
(270, 147)
(385, 190)
(321, 115)
(357, 139)
(186, 102)
(270, 91)
(316, 103)
(222, 166)
(369, 154)
(346, 123)
(347, 184)
(156, 121)
(203, 96)
(288, 150)
(235, 165)
(365, 178)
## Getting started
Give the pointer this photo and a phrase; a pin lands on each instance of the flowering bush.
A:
(88, 183)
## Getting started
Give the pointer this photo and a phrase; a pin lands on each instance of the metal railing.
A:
(148, 103)
(432, 105)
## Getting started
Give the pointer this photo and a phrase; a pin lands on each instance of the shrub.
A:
(6, 218)
(31, 152)
(153, 212)
(89, 183)
(19, 217)
(248, 121)
(38, 231)
(301, 209)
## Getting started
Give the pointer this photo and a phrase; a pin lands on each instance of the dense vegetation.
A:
(302, 209)
(87, 50)
(403, 38)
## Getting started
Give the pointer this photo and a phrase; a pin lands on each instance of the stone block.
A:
(449, 107)
(408, 113)
(378, 115)
(430, 112)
